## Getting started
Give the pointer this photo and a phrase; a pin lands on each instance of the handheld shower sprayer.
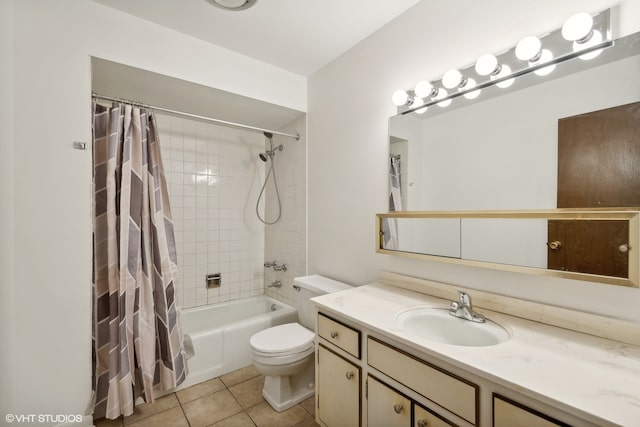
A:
(269, 155)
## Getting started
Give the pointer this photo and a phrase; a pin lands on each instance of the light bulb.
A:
(545, 56)
(453, 78)
(486, 64)
(596, 38)
(505, 70)
(528, 48)
(442, 94)
(577, 27)
(418, 102)
(470, 85)
(400, 98)
(423, 89)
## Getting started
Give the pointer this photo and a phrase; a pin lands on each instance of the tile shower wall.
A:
(214, 177)
(286, 241)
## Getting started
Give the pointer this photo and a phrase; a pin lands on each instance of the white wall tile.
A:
(212, 180)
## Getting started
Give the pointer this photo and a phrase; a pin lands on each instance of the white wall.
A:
(53, 45)
(349, 105)
(7, 356)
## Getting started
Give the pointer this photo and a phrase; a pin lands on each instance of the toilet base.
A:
(283, 392)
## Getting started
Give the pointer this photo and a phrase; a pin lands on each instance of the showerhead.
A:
(263, 156)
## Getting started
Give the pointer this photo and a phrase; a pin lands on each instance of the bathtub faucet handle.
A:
(269, 264)
(282, 267)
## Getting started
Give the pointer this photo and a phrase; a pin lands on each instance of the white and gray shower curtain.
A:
(137, 338)
(395, 204)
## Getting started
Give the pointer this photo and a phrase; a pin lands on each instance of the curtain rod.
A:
(195, 116)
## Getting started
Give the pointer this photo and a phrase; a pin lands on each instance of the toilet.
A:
(284, 353)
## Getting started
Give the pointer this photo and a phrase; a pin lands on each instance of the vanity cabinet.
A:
(367, 380)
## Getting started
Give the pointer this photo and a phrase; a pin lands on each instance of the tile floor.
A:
(232, 400)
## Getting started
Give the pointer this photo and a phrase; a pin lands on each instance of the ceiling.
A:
(300, 36)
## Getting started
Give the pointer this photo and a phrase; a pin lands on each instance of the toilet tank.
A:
(313, 286)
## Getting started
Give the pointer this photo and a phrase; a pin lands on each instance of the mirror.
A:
(517, 241)
(500, 152)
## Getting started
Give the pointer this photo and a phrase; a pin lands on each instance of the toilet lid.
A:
(282, 339)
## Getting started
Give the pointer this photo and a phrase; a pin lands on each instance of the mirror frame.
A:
(632, 215)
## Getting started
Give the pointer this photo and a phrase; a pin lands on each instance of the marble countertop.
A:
(591, 377)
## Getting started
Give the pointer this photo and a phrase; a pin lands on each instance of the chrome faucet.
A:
(463, 309)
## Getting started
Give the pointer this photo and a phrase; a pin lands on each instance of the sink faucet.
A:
(463, 309)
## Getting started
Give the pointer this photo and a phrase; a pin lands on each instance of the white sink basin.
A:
(438, 325)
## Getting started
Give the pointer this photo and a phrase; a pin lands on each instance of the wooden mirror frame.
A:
(632, 215)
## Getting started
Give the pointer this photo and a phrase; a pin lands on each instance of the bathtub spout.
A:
(275, 284)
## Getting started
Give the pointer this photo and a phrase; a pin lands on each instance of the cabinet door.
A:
(386, 407)
(424, 418)
(338, 390)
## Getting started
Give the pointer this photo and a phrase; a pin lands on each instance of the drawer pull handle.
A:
(334, 334)
(423, 423)
(397, 407)
(349, 375)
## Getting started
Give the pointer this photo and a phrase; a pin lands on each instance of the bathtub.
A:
(218, 335)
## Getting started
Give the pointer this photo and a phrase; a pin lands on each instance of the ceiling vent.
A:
(233, 4)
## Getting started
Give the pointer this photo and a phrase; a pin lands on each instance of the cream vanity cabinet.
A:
(365, 379)
(338, 378)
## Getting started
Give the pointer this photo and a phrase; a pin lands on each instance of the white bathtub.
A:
(219, 334)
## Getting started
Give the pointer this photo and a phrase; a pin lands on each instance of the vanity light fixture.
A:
(583, 36)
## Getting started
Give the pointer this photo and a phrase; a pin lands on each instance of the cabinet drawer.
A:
(507, 413)
(448, 391)
(424, 418)
(342, 336)
(386, 407)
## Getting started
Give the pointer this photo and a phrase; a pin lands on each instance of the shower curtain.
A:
(395, 204)
(137, 338)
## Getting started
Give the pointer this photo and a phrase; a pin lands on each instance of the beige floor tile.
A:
(211, 408)
(199, 390)
(242, 374)
(103, 422)
(265, 416)
(307, 422)
(249, 393)
(170, 418)
(148, 409)
(238, 420)
(309, 405)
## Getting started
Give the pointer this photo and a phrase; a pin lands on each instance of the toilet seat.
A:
(282, 340)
